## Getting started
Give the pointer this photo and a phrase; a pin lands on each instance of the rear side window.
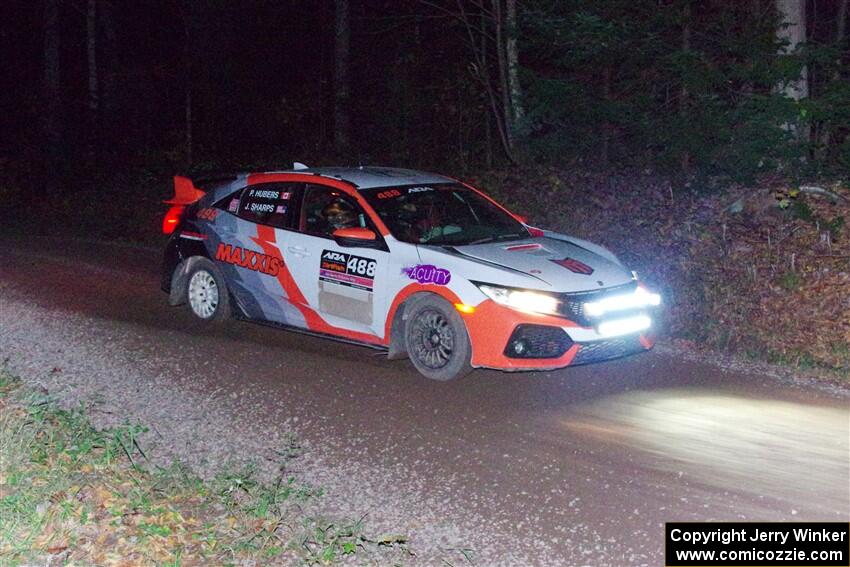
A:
(266, 203)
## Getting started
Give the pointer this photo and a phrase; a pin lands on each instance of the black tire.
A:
(206, 293)
(436, 338)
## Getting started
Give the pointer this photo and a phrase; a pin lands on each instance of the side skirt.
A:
(300, 331)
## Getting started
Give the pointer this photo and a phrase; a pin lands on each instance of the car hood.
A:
(565, 266)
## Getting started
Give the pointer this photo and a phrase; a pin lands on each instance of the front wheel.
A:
(436, 339)
(206, 292)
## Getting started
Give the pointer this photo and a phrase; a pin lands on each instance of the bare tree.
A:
(840, 35)
(91, 53)
(52, 98)
(684, 95)
(792, 31)
(107, 60)
(93, 99)
(512, 53)
(188, 14)
(502, 66)
(342, 53)
(484, 26)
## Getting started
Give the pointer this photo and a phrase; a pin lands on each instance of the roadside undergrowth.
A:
(74, 495)
(760, 270)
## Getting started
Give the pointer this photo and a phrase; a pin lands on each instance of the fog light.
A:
(520, 347)
(620, 327)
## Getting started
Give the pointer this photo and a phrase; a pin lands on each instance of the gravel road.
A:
(574, 467)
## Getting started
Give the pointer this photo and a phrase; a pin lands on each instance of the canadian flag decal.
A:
(575, 266)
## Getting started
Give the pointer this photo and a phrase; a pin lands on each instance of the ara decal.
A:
(428, 274)
(574, 266)
(348, 270)
(248, 259)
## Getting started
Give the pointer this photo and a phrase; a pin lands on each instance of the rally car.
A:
(417, 264)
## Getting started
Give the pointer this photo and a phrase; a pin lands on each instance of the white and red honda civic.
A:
(417, 264)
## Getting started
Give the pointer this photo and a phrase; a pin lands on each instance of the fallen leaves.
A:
(78, 499)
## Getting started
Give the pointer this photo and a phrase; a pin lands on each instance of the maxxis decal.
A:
(248, 259)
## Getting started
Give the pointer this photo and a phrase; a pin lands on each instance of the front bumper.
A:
(552, 342)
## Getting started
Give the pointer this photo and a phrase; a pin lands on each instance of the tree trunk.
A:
(91, 53)
(108, 61)
(342, 52)
(683, 96)
(188, 70)
(187, 108)
(792, 30)
(502, 64)
(93, 101)
(512, 52)
(52, 101)
(826, 129)
(488, 136)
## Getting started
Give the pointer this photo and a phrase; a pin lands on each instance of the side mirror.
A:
(356, 237)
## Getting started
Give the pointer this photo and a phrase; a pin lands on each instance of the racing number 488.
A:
(361, 266)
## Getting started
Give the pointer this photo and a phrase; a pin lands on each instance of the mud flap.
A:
(397, 349)
(177, 295)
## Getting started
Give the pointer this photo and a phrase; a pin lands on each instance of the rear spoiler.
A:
(185, 192)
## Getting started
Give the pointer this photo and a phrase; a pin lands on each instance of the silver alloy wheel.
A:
(433, 339)
(203, 294)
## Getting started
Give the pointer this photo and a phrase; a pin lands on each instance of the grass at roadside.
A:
(81, 496)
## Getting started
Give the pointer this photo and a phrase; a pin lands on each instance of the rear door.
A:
(251, 262)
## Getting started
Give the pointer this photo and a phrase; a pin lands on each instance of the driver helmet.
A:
(339, 214)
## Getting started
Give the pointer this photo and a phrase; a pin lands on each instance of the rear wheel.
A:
(206, 292)
(436, 339)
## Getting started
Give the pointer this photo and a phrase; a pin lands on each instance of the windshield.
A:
(447, 214)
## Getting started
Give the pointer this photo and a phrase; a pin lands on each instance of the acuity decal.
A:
(428, 274)
(347, 269)
(248, 259)
(574, 266)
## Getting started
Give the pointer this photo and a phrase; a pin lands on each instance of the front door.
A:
(339, 283)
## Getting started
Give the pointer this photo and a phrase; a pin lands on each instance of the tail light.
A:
(172, 218)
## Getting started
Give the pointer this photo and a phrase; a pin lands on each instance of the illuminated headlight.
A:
(618, 327)
(521, 300)
(639, 298)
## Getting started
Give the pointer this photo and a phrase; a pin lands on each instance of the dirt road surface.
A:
(575, 467)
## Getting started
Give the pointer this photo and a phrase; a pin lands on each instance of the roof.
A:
(369, 177)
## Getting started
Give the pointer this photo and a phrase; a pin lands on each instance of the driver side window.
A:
(326, 209)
